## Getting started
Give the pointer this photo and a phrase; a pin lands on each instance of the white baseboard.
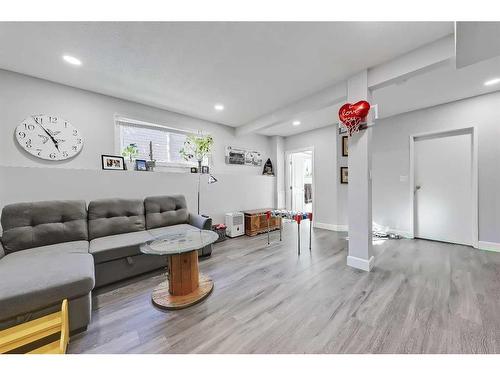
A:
(359, 263)
(334, 227)
(345, 228)
(489, 246)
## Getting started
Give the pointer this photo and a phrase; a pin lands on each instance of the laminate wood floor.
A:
(421, 297)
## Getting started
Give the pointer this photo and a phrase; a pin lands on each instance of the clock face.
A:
(49, 137)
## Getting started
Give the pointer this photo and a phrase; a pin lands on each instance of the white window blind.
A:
(166, 142)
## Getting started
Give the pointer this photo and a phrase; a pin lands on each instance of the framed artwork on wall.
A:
(113, 163)
(345, 145)
(140, 165)
(344, 175)
(241, 156)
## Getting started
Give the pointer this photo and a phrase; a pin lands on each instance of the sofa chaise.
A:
(54, 250)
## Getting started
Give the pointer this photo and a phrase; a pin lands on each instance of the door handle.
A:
(418, 187)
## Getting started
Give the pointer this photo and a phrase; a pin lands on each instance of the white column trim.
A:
(359, 263)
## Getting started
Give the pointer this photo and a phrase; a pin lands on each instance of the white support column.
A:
(360, 184)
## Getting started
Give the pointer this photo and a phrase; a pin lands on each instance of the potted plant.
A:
(196, 147)
(130, 153)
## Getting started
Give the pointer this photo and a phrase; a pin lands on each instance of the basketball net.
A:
(352, 125)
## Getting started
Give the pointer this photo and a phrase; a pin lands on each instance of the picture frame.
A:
(239, 156)
(345, 145)
(194, 170)
(113, 163)
(344, 175)
(205, 169)
(140, 165)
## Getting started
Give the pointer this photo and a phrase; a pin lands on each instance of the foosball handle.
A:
(268, 217)
(310, 217)
(298, 218)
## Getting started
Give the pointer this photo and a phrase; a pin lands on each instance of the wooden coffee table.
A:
(185, 286)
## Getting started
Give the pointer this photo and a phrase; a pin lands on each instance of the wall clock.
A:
(49, 137)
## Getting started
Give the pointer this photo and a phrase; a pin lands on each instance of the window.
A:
(166, 142)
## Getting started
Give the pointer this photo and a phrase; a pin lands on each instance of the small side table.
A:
(185, 285)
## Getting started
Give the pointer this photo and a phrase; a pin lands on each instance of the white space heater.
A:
(235, 224)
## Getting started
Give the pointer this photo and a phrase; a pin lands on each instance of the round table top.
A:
(179, 242)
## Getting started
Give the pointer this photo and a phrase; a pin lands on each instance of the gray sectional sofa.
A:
(54, 250)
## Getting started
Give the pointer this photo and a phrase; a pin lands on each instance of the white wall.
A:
(391, 159)
(278, 160)
(325, 172)
(25, 178)
(93, 114)
(230, 193)
(342, 189)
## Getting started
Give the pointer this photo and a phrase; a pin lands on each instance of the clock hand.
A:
(50, 135)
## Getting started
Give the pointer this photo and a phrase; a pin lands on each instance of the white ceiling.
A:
(252, 68)
(441, 85)
(308, 121)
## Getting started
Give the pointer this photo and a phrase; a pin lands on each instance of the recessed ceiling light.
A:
(492, 82)
(72, 60)
(296, 123)
(219, 107)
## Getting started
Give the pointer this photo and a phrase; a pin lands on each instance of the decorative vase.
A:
(130, 164)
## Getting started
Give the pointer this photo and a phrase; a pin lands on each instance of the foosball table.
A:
(290, 216)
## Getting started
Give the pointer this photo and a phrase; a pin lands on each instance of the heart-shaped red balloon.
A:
(352, 114)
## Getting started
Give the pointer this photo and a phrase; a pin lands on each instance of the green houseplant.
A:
(196, 147)
(130, 152)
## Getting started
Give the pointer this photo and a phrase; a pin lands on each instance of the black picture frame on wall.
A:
(113, 163)
(140, 165)
(344, 175)
(345, 145)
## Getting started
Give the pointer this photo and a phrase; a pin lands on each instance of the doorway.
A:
(300, 180)
(444, 186)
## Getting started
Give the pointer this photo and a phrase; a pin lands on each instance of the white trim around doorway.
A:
(475, 214)
(287, 176)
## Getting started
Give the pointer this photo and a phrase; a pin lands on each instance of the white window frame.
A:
(139, 123)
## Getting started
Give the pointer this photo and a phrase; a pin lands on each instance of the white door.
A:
(443, 188)
(298, 182)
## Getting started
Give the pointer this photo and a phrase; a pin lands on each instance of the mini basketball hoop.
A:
(352, 115)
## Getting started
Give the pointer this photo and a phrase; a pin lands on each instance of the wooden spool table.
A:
(185, 286)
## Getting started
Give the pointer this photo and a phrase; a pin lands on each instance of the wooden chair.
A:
(34, 330)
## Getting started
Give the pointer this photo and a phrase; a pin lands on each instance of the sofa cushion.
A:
(32, 280)
(60, 248)
(162, 211)
(34, 224)
(115, 216)
(118, 246)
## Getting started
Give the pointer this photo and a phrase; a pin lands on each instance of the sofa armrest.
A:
(2, 251)
(201, 222)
